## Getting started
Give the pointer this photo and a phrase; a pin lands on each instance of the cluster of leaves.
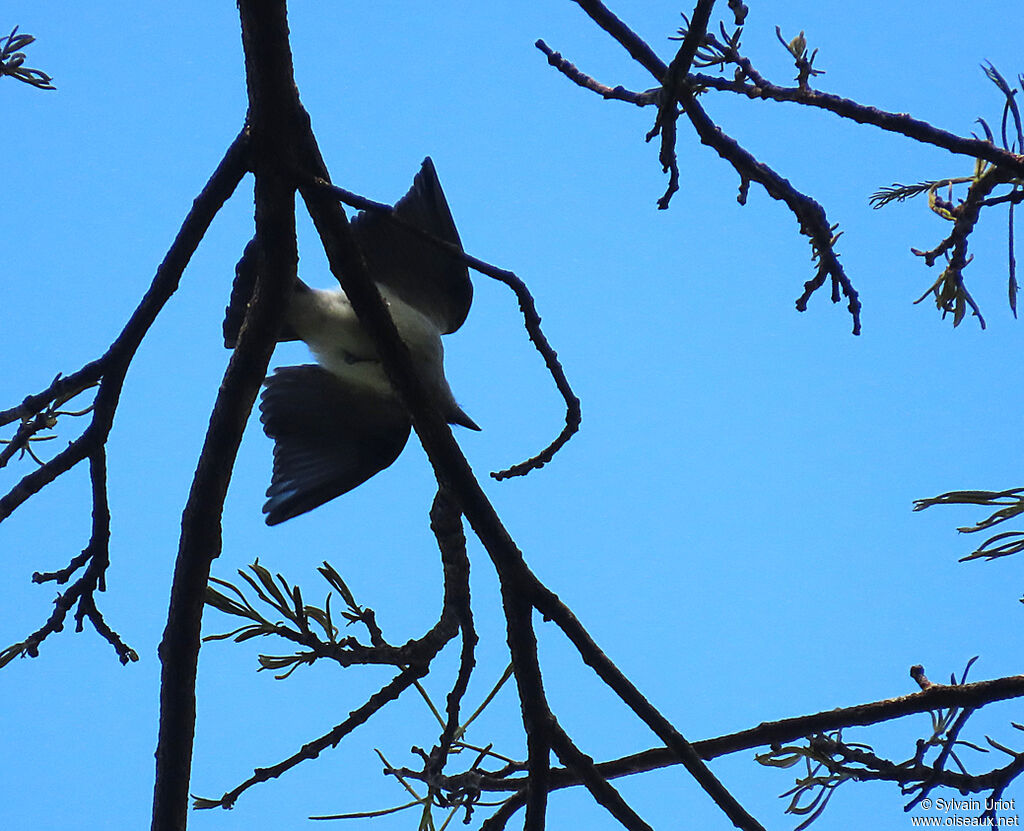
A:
(318, 630)
(1008, 504)
(988, 186)
(12, 61)
(286, 600)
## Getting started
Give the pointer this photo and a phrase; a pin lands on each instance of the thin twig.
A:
(386, 694)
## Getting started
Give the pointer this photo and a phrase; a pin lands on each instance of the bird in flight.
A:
(339, 422)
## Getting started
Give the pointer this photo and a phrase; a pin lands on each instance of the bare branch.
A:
(619, 93)
(809, 213)
(901, 123)
(386, 694)
(674, 86)
(777, 733)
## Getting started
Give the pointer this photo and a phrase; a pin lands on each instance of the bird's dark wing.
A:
(329, 436)
(422, 274)
(241, 294)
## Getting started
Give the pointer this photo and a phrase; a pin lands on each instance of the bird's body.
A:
(337, 424)
(326, 321)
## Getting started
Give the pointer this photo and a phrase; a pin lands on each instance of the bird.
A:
(339, 422)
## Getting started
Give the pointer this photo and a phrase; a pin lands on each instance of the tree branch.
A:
(273, 100)
(935, 697)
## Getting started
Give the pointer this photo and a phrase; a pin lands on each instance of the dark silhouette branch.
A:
(810, 215)
(107, 374)
(777, 733)
(273, 104)
(386, 694)
(446, 523)
(200, 541)
(900, 123)
(702, 48)
(600, 788)
(674, 85)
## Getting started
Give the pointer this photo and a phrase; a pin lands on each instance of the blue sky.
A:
(733, 521)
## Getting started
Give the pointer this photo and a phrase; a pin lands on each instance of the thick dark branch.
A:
(778, 733)
(674, 84)
(200, 541)
(549, 605)
(994, 780)
(264, 38)
(901, 123)
(600, 788)
(935, 697)
(446, 523)
(630, 40)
